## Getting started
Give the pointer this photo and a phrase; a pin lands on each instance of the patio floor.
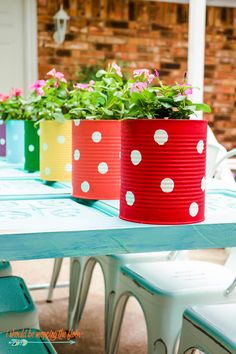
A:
(53, 316)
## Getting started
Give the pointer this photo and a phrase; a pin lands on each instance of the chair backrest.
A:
(216, 160)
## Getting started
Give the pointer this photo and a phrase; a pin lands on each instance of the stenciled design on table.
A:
(44, 208)
(10, 205)
(167, 184)
(214, 202)
(28, 187)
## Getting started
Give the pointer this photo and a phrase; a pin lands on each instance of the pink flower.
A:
(16, 92)
(117, 69)
(156, 73)
(83, 87)
(140, 72)
(138, 86)
(189, 91)
(91, 82)
(150, 78)
(37, 85)
(57, 75)
(52, 72)
(39, 92)
(145, 72)
(3, 97)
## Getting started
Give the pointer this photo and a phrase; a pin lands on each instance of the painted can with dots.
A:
(31, 146)
(55, 150)
(15, 142)
(2, 139)
(96, 159)
(163, 165)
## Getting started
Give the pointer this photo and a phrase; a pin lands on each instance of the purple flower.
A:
(156, 73)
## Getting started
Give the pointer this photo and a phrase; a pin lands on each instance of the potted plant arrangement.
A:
(49, 100)
(163, 153)
(97, 108)
(11, 112)
(21, 136)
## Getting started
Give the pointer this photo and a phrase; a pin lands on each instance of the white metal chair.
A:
(216, 159)
(211, 329)
(164, 290)
(110, 266)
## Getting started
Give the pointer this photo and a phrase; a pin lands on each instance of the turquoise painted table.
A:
(15, 171)
(51, 228)
(22, 188)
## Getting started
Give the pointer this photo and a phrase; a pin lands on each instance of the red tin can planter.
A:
(96, 159)
(163, 171)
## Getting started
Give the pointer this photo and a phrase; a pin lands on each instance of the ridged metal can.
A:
(2, 139)
(55, 150)
(96, 159)
(15, 141)
(163, 165)
(31, 142)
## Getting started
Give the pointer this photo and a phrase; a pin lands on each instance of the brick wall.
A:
(145, 34)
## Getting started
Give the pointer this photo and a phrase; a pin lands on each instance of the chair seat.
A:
(217, 320)
(180, 278)
(14, 295)
(148, 257)
(17, 309)
(24, 345)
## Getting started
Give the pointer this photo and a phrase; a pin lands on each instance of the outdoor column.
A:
(196, 47)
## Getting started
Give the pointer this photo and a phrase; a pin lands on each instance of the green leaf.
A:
(59, 117)
(203, 107)
(100, 73)
(179, 98)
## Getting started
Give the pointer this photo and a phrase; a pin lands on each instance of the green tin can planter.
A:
(31, 146)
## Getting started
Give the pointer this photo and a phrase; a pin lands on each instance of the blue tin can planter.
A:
(15, 141)
(2, 139)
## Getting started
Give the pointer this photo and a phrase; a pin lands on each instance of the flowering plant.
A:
(104, 98)
(160, 101)
(12, 105)
(48, 98)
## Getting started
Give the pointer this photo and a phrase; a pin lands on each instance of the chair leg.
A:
(114, 333)
(80, 295)
(55, 274)
(75, 279)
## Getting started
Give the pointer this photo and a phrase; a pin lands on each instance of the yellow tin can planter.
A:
(55, 150)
